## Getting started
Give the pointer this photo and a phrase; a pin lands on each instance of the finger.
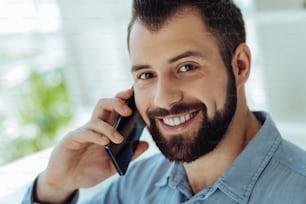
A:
(79, 138)
(140, 149)
(105, 129)
(106, 108)
(124, 95)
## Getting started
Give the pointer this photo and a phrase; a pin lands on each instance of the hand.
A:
(80, 160)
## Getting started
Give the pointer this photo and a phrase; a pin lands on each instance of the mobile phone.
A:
(130, 128)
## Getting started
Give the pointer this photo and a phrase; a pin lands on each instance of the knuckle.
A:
(101, 101)
(119, 101)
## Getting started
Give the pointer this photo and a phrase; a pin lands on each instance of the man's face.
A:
(182, 87)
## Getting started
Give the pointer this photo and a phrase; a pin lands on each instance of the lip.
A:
(176, 123)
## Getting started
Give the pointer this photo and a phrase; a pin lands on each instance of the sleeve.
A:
(30, 196)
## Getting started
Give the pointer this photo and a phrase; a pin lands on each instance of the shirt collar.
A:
(239, 179)
(176, 178)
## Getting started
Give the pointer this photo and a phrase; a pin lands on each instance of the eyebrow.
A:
(136, 68)
(172, 60)
(186, 54)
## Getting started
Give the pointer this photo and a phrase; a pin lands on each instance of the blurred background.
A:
(57, 58)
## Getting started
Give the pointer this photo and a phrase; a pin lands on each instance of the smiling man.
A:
(190, 64)
(189, 93)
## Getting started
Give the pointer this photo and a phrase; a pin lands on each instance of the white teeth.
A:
(187, 117)
(183, 119)
(177, 120)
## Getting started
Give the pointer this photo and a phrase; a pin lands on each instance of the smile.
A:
(178, 120)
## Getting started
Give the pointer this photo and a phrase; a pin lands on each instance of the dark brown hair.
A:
(222, 18)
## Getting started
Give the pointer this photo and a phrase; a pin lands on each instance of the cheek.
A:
(213, 96)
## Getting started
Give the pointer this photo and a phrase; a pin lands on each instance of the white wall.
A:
(262, 5)
(282, 41)
(95, 33)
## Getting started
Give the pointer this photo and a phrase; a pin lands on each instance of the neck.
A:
(206, 170)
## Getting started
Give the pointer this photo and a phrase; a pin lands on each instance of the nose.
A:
(167, 93)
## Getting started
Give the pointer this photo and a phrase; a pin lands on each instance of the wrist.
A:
(47, 191)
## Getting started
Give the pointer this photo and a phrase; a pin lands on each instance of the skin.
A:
(161, 83)
(79, 159)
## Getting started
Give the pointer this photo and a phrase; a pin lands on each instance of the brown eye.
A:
(146, 75)
(187, 67)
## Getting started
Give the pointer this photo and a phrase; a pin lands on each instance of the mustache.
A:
(176, 109)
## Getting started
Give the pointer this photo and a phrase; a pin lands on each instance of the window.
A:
(34, 101)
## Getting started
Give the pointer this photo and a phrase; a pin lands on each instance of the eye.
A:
(187, 67)
(146, 75)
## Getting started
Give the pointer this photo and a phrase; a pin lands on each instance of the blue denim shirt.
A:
(269, 170)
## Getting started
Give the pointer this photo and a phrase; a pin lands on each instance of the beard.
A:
(191, 146)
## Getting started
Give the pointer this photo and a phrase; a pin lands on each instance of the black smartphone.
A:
(130, 128)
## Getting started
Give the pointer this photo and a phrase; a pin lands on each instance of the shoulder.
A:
(292, 157)
(284, 176)
(287, 170)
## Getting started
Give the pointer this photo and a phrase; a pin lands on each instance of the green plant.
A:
(42, 107)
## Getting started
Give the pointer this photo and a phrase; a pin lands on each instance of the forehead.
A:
(184, 31)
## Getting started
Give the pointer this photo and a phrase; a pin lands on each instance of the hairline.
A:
(179, 10)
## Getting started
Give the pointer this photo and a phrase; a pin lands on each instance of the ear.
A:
(241, 64)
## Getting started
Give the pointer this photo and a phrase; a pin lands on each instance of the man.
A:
(190, 64)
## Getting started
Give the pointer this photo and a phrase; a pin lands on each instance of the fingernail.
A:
(117, 136)
(126, 109)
